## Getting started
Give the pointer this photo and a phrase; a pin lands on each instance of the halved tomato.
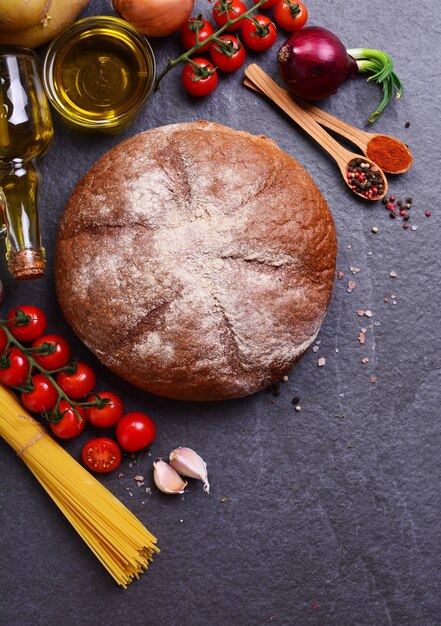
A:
(101, 455)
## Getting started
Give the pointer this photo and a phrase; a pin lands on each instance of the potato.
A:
(20, 14)
(59, 15)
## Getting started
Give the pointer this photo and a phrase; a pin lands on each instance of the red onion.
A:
(313, 63)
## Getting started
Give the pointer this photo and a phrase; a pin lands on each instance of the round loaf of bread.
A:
(196, 261)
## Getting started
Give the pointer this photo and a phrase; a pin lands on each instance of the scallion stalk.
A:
(380, 67)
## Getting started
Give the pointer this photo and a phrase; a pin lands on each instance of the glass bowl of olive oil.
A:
(99, 72)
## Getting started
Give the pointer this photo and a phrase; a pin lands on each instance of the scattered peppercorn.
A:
(406, 125)
(275, 389)
(295, 400)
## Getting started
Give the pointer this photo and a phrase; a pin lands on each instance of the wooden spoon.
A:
(359, 137)
(342, 156)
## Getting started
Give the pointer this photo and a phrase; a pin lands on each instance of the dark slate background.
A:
(329, 520)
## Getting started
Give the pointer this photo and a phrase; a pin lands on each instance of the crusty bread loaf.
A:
(196, 261)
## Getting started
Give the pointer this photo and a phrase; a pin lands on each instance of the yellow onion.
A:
(155, 18)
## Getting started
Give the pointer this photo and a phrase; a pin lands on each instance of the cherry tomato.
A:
(196, 29)
(101, 455)
(3, 341)
(79, 384)
(69, 426)
(43, 397)
(229, 56)
(259, 33)
(199, 77)
(35, 326)
(135, 431)
(235, 8)
(267, 5)
(56, 359)
(110, 414)
(290, 15)
(17, 369)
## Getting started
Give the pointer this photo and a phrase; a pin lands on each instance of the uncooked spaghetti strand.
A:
(117, 538)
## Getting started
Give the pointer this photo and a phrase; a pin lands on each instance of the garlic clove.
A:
(167, 479)
(188, 463)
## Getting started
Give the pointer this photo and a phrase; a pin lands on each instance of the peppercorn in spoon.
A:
(362, 175)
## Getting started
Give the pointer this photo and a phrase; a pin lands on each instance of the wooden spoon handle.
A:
(359, 137)
(278, 95)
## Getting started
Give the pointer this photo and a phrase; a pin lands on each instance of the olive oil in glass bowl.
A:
(99, 72)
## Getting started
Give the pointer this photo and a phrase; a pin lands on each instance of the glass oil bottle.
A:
(25, 134)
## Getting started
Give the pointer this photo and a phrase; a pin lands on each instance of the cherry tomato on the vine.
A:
(80, 383)
(135, 431)
(290, 15)
(69, 426)
(267, 5)
(111, 412)
(229, 55)
(235, 8)
(43, 397)
(199, 77)
(195, 30)
(101, 455)
(56, 359)
(35, 326)
(3, 341)
(16, 367)
(259, 33)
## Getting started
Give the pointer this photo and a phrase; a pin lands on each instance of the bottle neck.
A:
(19, 184)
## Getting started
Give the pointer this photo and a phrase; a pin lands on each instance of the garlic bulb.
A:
(188, 463)
(167, 479)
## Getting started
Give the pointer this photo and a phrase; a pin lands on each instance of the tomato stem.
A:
(99, 403)
(185, 57)
(227, 47)
(294, 8)
(34, 365)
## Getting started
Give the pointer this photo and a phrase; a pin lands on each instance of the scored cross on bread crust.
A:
(196, 261)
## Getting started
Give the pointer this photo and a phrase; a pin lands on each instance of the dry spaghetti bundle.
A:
(116, 537)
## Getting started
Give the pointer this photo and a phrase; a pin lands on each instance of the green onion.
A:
(380, 67)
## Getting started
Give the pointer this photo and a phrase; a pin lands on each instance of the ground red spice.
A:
(389, 154)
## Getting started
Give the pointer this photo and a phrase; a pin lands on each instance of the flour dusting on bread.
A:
(196, 261)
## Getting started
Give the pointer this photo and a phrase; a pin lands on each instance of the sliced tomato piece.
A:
(101, 455)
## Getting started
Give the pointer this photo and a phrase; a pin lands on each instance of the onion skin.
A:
(313, 63)
(155, 18)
